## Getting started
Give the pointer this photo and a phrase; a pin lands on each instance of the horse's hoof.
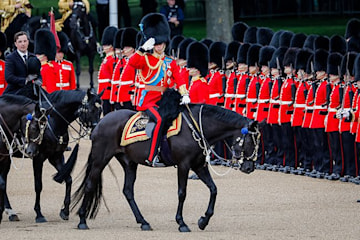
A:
(202, 223)
(14, 218)
(40, 220)
(83, 226)
(63, 215)
(146, 227)
(184, 228)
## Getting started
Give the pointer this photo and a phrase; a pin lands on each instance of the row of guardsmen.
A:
(304, 90)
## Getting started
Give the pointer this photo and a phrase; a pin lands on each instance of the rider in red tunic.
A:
(157, 72)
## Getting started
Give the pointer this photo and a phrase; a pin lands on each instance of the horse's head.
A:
(34, 124)
(245, 147)
(90, 110)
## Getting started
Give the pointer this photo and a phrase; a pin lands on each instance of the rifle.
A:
(247, 80)
(235, 80)
(313, 84)
(270, 76)
(341, 89)
(279, 79)
(293, 86)
(257, 84)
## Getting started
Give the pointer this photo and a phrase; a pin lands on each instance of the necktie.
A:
(24, 58)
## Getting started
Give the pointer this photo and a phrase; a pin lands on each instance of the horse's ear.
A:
(262, 124)
(253, 125)
(102, 92)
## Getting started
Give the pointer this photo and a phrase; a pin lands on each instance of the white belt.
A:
(285, 102)
(240, 95)
(263, 100)
(126, 83)
(274, 101)
(332, 110)
(214, 95)
(115, 82)
(319, 107)
(309, 108)
(297, 105)
(227, 95)
(251, 100)
(138, 85)
(104, 80)
(2, 85)
(62, 84)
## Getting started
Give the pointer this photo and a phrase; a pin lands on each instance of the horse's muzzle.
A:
(247, 166)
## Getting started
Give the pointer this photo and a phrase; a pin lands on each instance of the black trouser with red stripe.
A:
(307, 147)
(347, 140)
(322, 161)
(300, 148)
(156, 133)
(336, 152)
(277, 139)
(288, 144)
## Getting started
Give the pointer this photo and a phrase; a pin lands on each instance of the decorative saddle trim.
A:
(134, 130)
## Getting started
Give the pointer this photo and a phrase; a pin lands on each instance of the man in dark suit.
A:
(16, 74)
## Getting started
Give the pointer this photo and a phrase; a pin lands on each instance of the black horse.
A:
(81, 32)
(23, 123)
(66, 107)
(214, 123)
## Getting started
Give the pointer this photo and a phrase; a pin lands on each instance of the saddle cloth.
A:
(134, 130)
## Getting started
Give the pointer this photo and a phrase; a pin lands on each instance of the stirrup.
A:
(155, 162)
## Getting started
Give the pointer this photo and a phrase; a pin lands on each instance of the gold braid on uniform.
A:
(157, 66)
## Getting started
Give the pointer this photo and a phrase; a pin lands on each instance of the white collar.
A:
(22, 54)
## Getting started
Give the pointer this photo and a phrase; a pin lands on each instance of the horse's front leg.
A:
(128, 191)
(91, 69)
(206, 178)
(183, 173)
(38, 167)
(13, 217)
(78, 69)
(2, 196)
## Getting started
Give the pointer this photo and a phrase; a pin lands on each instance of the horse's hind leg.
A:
(206, 178)
(182, 184)
(128, 191)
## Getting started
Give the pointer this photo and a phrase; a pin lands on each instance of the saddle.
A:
(139, 128)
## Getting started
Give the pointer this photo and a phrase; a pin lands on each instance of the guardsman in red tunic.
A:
(297, 118)
(217, 81)
(274, 106)
(268, 149)
(106, 68)
(197, 62)
(243, 78)
(231, 82)
(322, 162)
(157, 72)
(287, 100)
(182, 58)
(3, 45)
(331, 122)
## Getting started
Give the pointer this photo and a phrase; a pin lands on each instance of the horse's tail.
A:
(94, 197)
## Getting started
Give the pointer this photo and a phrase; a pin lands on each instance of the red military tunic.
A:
(320, 108)
(286, 102)
(230, 91)
(216, 93)
(240, 96)
(344, 124)
(274, 107)
(139, 87)
(115, 80)
(105, 75)
(127, 82)
(355, 107)
(309, 108)
(331, 122)
(157, 73)
(50, 75)
(67, 78)
(263, 100)
(356, 117)
(3, 83)
(251, 97)
(300, 103)
(184, 74)
(199, 90)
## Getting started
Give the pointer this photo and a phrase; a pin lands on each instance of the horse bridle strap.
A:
(6, 126)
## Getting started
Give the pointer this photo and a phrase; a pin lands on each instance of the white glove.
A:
(30, 78)
(38, 82)
(185, 100)
(340, 114)
(149, 44)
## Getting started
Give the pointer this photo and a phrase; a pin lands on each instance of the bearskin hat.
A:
(238, 31)
(352, 28)
(334, 63)
(183, 46)
(309, 63)
(357, 67)
(198, 57)
(322, 42)
(347, 63)
(242, 53)
(309, 42)
(320, 60)
(108, 35)
(250, 35)
(128, 38)
(353, 45)
(155, 25)
(64, 42)
(207, 42)
(33, 65)
(290, 57)
(217, 52)
(302, 57)
(265, 55)
(276, 39)
(174, 45)
(264, 36)
(139, 39)
(337, 44)
(117, 38)
(278, 56)
(253, 55)
(3, 42)
(285, 39)
(231, 51)
(298, 40)
(45, 43)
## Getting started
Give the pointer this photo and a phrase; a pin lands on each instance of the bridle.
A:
(255, 137)
(86, 39)
(42, 123)
(83, 112)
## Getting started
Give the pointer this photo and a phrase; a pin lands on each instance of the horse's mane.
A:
(16, 99)
(224, 115)
(65, 97)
